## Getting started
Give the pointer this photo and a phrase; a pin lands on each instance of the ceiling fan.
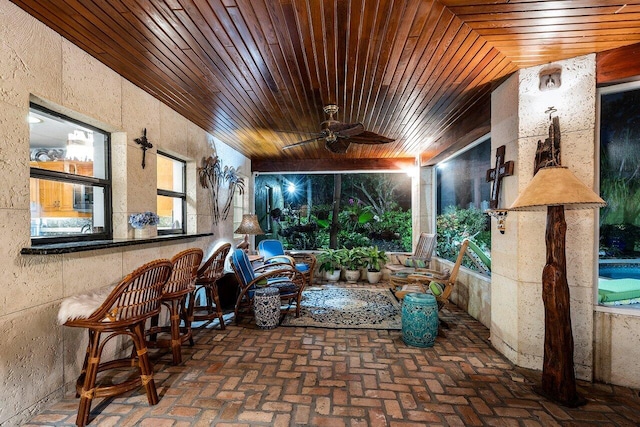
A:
(338, 136)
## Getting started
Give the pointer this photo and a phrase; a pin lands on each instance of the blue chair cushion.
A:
(302, 267)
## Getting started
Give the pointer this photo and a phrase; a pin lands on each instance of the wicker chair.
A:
(124, 312)
(289, 281)
(178, 288)
(273, 252)
(207, 281)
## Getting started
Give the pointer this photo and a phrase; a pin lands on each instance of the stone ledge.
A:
(91, 245)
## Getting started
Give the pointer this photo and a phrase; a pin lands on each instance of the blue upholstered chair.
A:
(272, 251)
(289, 281)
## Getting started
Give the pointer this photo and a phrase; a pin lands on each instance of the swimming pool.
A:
(620, 271)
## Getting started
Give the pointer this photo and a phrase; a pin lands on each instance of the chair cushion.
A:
(83, 305)
(284, 286)
(436, 288)
(416, 263)
(302, 267)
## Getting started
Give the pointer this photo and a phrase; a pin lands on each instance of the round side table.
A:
(266, 307)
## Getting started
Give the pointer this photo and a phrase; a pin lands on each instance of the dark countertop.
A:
(91, 245)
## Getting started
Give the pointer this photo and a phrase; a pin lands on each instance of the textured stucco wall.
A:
(519, 255)
(38, 358)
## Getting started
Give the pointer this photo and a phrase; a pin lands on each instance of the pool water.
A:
(620, 271)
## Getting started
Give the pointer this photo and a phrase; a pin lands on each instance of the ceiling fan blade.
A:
(339, 146)
(347, 130)
(367, 137)
(299, 132)
(306, 141)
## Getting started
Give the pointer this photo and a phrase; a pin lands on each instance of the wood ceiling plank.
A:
(434, 27)
(432, 46)
(409, 70)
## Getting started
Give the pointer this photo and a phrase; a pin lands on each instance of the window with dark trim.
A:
(70, 179)
(619, 243)
(172, 196)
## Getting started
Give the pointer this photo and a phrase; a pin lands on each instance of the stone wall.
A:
(38, 357)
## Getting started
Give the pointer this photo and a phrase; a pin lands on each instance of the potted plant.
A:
(354, 259)
(376, 259)
(329, 261)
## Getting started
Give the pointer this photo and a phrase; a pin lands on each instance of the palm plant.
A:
(376, 258)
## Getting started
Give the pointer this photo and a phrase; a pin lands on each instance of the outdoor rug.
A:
(359, 308)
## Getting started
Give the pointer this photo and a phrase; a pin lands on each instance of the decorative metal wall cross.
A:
(501, 170)
(145, 144)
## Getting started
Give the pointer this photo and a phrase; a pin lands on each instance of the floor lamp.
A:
(556, 188)
(248, 226)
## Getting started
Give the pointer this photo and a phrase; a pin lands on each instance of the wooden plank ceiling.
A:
(245, 70)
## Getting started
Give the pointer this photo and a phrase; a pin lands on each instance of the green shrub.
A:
(457, 224)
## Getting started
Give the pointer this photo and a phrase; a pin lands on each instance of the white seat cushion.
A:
(82, 306)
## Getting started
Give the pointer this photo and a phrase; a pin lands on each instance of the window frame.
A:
(74, 179)
(627, 310)
(175, 194)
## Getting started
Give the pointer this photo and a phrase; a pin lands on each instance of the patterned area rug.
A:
(357, 308)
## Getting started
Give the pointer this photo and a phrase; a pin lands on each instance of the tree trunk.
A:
(333, 231)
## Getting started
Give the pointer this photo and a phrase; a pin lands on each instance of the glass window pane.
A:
(65, 209)
(462, 180)
(170, 174)
(170, 213)
(64, 146)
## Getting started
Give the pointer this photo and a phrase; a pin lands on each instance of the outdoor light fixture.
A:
(550, 78)
(248, 226)
(291, 189)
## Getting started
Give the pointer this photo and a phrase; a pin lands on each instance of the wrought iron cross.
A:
(145, 145)
(501, 170)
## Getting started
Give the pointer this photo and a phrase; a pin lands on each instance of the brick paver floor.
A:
(245, 376)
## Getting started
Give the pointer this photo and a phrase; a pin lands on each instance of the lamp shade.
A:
(249, 225)
(556, 186)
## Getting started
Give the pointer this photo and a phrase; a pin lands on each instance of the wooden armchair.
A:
(421, 257)
(441, 283)
(124, 311)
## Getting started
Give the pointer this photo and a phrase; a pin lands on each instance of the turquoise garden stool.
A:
(419, 320)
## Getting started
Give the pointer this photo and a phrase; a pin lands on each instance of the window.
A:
(172, 195)
(374, 209)
(620, 188)
(462, 197)
(462, 179)
(70, 187)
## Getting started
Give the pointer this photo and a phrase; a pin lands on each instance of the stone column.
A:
(518, 120)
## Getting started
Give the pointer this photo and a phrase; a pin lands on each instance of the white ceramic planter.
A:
(146, 232)
(374, 276)
(352, 276)
(332, 276)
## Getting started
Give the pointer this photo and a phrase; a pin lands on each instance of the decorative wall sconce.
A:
(501, 216)
(550, 78)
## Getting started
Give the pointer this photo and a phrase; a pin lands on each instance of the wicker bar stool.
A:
(208, 275)
(178, 288)
(123, 312)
